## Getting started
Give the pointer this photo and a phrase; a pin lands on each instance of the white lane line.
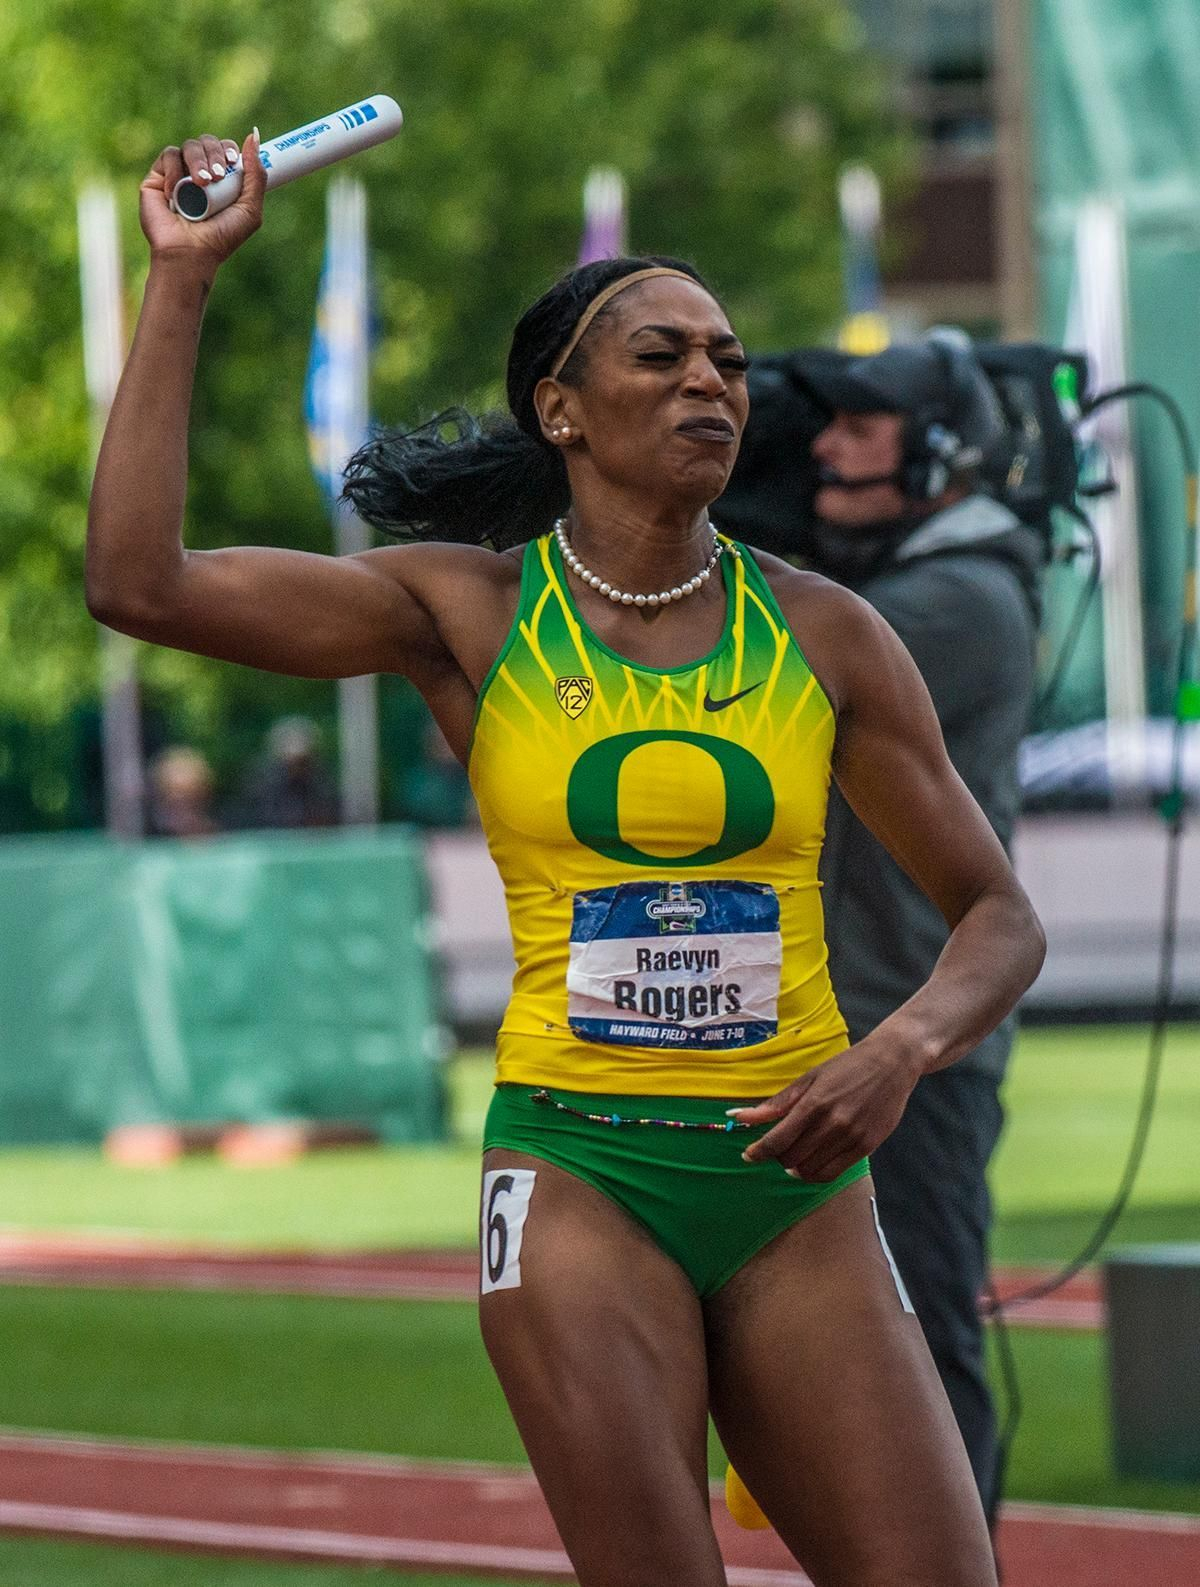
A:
(87, 1446)
(1118, 1520)
(307, 1542)
(749, 1576)
(279, 1539)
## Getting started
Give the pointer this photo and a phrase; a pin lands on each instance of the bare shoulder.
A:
(839, 633)
(430, 565)
(469, 594)
(453, 581)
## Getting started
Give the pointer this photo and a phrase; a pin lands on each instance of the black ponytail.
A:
(457, 478)
(497, 481)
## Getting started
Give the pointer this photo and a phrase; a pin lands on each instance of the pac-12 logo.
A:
(573, 695)
(675, 909)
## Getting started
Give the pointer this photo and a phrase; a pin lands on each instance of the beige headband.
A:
(601, 298)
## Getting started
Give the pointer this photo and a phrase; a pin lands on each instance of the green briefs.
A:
(702, 1205)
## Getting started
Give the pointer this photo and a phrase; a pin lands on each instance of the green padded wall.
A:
(245, 978)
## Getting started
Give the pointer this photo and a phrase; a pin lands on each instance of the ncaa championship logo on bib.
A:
(675, 964)
(676, 909)
(573, 695)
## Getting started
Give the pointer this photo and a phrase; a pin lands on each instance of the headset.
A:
(964, 434)
(1002, 422)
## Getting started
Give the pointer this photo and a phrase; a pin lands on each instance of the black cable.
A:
(1174, 806)
(1013, 1404)
(1143, 388)
(1066, 650)
(1133, 1160)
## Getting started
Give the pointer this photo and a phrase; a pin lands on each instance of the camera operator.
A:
(904, 518)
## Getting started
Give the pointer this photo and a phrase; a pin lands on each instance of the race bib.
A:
(675, 964)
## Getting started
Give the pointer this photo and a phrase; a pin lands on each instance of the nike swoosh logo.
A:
(719, 705)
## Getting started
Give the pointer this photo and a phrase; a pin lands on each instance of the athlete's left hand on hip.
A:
(835, 1114)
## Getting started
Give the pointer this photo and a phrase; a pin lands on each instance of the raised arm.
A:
(891, 764)
(285, 611)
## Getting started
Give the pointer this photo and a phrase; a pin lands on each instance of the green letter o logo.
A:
(593, 799)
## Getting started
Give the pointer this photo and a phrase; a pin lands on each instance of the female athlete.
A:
(650, 715)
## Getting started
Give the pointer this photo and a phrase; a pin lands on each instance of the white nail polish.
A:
(203, 175)
(793, 1173)
(231, 155)
(732, 1113)
(218, 168)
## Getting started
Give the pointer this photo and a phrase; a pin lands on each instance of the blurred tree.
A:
(730, 127)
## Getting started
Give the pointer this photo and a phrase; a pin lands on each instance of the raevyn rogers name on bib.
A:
(690, 1000)
(669, 963)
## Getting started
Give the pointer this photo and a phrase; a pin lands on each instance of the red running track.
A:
(489, 1520)
(407, 1275)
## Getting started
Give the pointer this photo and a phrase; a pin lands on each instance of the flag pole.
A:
(103, 357)
(347, 330)
(1098, 319)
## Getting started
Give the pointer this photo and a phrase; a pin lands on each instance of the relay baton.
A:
(294, 154)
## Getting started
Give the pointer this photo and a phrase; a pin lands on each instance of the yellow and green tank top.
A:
(657, 831)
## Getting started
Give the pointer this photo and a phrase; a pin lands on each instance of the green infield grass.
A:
(43, 1562)
(411, 1378)
(1071, 1098)
(407, 1378)
(1062, 1452)
(361, 1198)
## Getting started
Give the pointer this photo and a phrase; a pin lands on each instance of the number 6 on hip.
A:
(504, 1208)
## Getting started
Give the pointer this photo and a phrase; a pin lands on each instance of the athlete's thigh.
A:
(599, 1348)
(829, 1407)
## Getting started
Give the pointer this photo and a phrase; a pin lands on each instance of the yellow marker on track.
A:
(742, 1505)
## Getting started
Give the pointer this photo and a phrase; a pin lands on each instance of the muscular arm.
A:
(891, 765)
(285, 611)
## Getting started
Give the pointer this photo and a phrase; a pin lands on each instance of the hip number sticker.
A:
(505, 1206)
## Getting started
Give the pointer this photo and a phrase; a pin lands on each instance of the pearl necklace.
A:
(663, 598)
